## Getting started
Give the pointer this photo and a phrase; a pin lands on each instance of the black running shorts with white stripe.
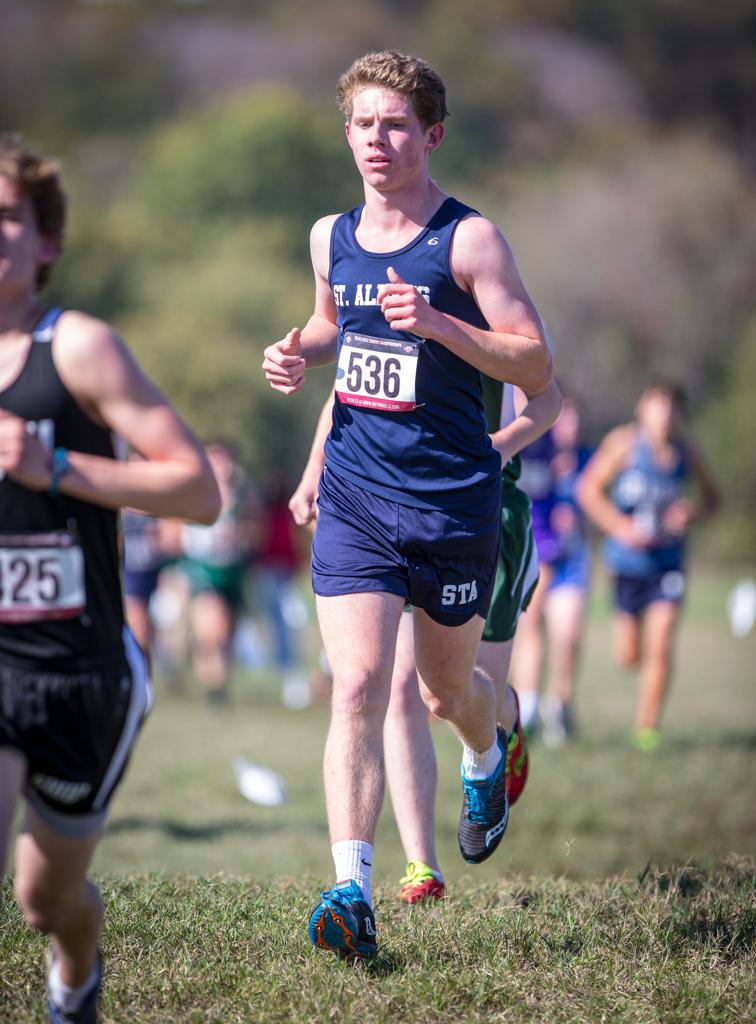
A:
(75, 732)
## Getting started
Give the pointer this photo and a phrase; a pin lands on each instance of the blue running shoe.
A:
(343, 922)
(87, 1011)
(485, 810)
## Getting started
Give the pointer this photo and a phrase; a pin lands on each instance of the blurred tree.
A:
(266, 154)
(728, 427)
(640, 264)
(695, 60)
(69, 73)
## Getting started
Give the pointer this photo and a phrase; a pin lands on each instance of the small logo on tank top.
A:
(433, 241)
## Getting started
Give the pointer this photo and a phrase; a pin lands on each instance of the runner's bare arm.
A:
(535, 417)
(515, 348)
(602, 468)
(709, 496)
(302, 503)
(682, 513)
(174, 477)
(285, 361)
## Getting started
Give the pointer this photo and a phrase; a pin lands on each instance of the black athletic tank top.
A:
(60, 588)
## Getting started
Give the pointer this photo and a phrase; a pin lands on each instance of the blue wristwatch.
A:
(60, 466)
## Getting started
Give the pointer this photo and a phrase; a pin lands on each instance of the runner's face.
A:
(389, 144)
(22, 248)
(657, 415)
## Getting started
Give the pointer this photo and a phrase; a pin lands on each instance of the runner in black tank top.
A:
(73, 684)
(60, 602)
(409, 501)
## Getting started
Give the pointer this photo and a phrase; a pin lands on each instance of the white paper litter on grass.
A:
(259, 785)
(741, 608)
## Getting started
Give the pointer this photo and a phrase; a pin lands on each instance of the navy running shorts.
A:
(439, 560)
(75, 731)
(141, 585)
(633, 594)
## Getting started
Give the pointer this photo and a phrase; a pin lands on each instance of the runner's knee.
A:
(444, 704)
(626, 655)
(43, 909)
(405, 699)
(356, 695)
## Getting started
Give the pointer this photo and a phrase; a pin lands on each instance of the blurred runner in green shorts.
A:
(409, 751)
(215, 563)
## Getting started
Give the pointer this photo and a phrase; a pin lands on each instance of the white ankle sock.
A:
(477, 765)
(67, 999)
(528, 708)
(353, 858)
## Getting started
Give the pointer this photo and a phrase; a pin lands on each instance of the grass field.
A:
(623, 891)
(675, 948)
(595, 809)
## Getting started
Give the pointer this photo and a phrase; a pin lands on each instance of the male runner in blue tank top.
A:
(410, 760)
(73, 685)
(415, 295)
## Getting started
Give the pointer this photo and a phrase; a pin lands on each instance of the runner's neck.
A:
(389, 221)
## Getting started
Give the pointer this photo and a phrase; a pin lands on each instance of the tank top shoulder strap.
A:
(342, 235)
(449, 213)
(44, 329)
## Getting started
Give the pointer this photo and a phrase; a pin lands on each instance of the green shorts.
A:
(225, 580)
(517, 567)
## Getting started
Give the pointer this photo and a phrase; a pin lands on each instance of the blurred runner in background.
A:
(567, 592)
(636, 490)
(215, 561)
(528, 656)
(278, 562)
(143, 558)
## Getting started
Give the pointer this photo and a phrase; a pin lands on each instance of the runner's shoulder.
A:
(89, 353)
(79, 338)
(618, 443)
(320, 241)
(322, 228)
(477, 240)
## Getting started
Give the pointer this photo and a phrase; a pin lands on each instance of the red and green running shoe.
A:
(517, 760)
(421, 883)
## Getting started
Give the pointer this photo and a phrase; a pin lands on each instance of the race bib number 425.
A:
(41, 577)
(377, 373)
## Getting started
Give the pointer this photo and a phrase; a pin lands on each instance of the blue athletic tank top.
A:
(644, 490)
(567, 466)
(408, 419)
(537, 480)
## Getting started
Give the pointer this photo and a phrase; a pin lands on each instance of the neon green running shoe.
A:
(646, 739)
(421, 883)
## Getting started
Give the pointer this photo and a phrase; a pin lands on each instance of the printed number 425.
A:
(17, 574)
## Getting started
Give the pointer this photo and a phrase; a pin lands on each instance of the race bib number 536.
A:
(378, 373)
(41, 577)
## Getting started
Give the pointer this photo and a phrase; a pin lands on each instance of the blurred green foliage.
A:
(612, 142)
